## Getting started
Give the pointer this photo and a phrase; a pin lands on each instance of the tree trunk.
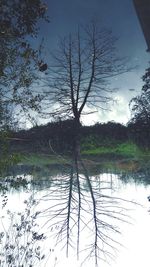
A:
(76, 141)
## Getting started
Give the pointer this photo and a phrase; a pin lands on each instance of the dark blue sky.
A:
(120, 17)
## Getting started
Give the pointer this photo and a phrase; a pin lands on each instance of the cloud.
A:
(118, 112)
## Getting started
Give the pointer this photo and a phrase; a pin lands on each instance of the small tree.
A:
(140, 105)
(140, 116)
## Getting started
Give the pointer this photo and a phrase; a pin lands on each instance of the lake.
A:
(71, 216)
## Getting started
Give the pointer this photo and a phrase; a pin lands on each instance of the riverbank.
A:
(126, 157)
(97, 156)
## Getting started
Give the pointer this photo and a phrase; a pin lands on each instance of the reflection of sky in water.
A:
(135, 236)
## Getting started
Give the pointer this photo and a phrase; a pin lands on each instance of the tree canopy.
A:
(140, 105)
(19, 58)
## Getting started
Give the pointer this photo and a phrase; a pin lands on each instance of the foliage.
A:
(140, 122)
(140, 105)
(19, 20)
(21, 243)
(139, 133)
(141, 108)
(7, 157)
(19, 59)
(57, 137)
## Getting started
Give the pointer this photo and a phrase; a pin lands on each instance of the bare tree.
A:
(83, 67)
(80, 75)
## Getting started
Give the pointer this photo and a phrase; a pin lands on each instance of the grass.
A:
(126, 149)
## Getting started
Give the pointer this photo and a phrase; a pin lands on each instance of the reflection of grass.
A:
(40, 160)
(122, 156)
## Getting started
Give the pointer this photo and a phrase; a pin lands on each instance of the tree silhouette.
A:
(79, 77)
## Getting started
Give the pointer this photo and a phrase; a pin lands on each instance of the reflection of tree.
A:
(77, 213)
(81, 213)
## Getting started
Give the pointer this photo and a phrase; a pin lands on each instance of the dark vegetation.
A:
(58, 137)
(140, 106)
(20, 58)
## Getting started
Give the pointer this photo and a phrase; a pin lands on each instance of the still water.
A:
(73, 218)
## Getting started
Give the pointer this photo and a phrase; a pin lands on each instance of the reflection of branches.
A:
(79, 204)
(69, 210)
(94, 211)
(91, 215)
(140, 176)
(102, 208)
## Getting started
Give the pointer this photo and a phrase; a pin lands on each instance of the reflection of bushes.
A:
(141, 175)
(16, 183)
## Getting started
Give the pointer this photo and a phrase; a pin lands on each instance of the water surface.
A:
(74, 218)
